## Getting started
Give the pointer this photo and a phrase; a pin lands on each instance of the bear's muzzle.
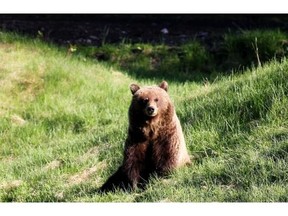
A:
(151, 111)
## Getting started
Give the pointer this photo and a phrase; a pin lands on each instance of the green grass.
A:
(63, 122)
(146, 60)
(193, 59)
(239, 50)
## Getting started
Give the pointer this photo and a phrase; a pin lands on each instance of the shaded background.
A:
(92, 29)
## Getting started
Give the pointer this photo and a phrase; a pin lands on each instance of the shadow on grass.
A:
(198, 60)
(147, 61)
(193, 60)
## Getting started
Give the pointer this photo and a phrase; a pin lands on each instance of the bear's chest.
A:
(149, 131)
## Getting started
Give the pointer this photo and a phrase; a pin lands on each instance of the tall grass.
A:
(253, 47)
(147, 60)
(63, 122)
(235, 51)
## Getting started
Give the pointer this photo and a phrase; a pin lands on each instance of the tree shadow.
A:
(174, 62)
(190, 62)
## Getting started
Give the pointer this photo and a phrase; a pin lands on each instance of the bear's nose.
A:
(150, 110)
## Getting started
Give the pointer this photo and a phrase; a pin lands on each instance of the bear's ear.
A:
(134, 88)
(164, 85)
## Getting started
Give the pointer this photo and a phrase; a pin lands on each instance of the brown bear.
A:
(155, 143)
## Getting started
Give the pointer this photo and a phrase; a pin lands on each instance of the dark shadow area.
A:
(214, 52)
(90, 29)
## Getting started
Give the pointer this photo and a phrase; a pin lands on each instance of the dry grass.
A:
(85, 175)
(11, 185)
(55, 164)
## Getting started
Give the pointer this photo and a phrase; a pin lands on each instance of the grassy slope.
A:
(63, 123)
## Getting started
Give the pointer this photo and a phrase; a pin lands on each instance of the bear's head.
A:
(150, 100)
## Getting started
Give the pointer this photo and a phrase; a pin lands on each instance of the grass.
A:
(253, 47)
(63, 122)
(194, 59)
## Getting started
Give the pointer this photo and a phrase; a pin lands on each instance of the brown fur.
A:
(155, 142)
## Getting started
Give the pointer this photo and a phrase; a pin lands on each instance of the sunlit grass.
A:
(63, 122)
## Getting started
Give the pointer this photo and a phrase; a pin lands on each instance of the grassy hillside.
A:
(63, 123)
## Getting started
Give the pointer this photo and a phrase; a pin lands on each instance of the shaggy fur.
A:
(155, 142)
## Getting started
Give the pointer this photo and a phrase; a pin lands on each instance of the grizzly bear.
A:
(155, 143)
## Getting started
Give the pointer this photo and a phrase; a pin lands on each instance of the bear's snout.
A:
(151, 111)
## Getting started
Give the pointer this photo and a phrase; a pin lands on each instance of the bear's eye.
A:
(145, 101)
(156, 100)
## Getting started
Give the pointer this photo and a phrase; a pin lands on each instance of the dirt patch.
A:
(17, 120)
(53, 165)
(85, 174)
(93, 152)
(11, 185)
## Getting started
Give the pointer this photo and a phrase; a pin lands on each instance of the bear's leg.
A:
(117, 180)
(134, 165)
(132, 173)
(164, 159)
